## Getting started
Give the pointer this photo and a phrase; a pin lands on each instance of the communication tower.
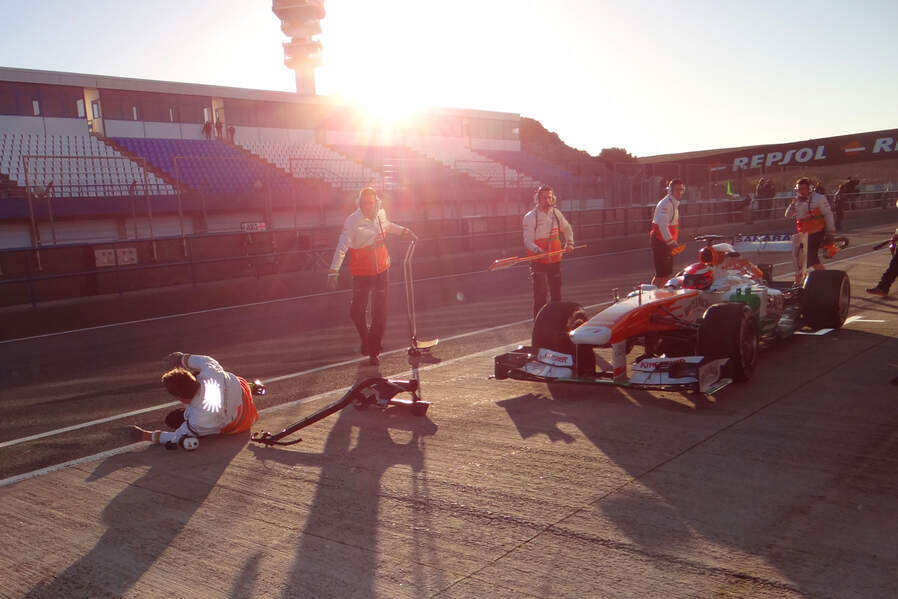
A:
(301, 20)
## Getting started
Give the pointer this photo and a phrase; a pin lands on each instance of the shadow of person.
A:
(337, 554)
(145, 517)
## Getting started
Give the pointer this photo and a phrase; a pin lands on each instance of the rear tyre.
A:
(730, 330)
(550, 331)
(825, 299)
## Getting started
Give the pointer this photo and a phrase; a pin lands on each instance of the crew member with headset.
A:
(543, 228)
(665, 229)
(812, 216)
(363, 237)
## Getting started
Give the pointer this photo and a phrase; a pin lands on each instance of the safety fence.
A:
(35, 275)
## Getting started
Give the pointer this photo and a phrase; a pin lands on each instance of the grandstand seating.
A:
(206, 165)
(311, 160)
(402, 166)
(531, 165)
(480, 166)
(76, 165)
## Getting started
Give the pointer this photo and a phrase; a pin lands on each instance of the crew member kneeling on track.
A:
(542, 227)
(363, 237)
(217, 401)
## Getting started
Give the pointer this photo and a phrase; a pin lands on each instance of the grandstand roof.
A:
(197, 89)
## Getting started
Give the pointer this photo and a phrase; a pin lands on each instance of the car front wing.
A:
(692, 373)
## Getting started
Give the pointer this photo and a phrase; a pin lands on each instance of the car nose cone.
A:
(586, 335)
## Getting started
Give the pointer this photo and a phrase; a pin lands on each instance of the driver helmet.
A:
(698, 276)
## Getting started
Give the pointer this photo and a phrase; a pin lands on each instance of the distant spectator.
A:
(851, 191)
(207, 130)
(746, 205)
(218, 127)
(764, 193)
(231, 132)
(839, 206)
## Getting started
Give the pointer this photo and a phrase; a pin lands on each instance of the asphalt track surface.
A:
(784, 486)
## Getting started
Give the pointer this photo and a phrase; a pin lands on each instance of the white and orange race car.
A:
(699, 332)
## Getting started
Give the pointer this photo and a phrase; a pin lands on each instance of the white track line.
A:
(76, 427)
(91, 458)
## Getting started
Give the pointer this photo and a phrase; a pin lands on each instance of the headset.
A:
(378, 203)
(802, 181)
(673, 182)
(541, 189)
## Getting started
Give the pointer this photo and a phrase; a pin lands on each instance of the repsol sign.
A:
(793, 156)
(857, 149)
(844, 149)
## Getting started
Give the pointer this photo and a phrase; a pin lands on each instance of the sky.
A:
(648, 76)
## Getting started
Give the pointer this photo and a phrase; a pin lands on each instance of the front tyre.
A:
(825, 299)
(550, 331)
(730, 330)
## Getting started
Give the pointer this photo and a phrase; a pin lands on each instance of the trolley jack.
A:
(375, 392)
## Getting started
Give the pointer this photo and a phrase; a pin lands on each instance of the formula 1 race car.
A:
(700, 332)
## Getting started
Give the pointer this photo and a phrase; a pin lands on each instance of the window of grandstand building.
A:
(36, 107)
(171, 114)
(134, 115)
(95, 109)
(79, 106)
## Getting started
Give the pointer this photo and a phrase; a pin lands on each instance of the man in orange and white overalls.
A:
(363, 238)
(812, 216)
(665, 230)
(543, 228)
(217, 401)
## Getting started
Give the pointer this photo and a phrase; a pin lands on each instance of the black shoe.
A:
(877, 291)
(373, 360)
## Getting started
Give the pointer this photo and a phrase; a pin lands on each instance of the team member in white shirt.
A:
(217, 401)
(363, 238)
(544, 226)
(665, 230)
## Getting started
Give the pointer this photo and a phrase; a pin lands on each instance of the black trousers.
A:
(546, 282)
(364, 288)
(889, 276)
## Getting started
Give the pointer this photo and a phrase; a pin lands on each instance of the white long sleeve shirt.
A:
(666, 217)
(803, 209)
(361, 232)
(544, 225)
(215, 405)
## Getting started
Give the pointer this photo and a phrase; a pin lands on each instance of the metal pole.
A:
(35, 232)
(180, 206)
(48, 195)
(146, 197)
